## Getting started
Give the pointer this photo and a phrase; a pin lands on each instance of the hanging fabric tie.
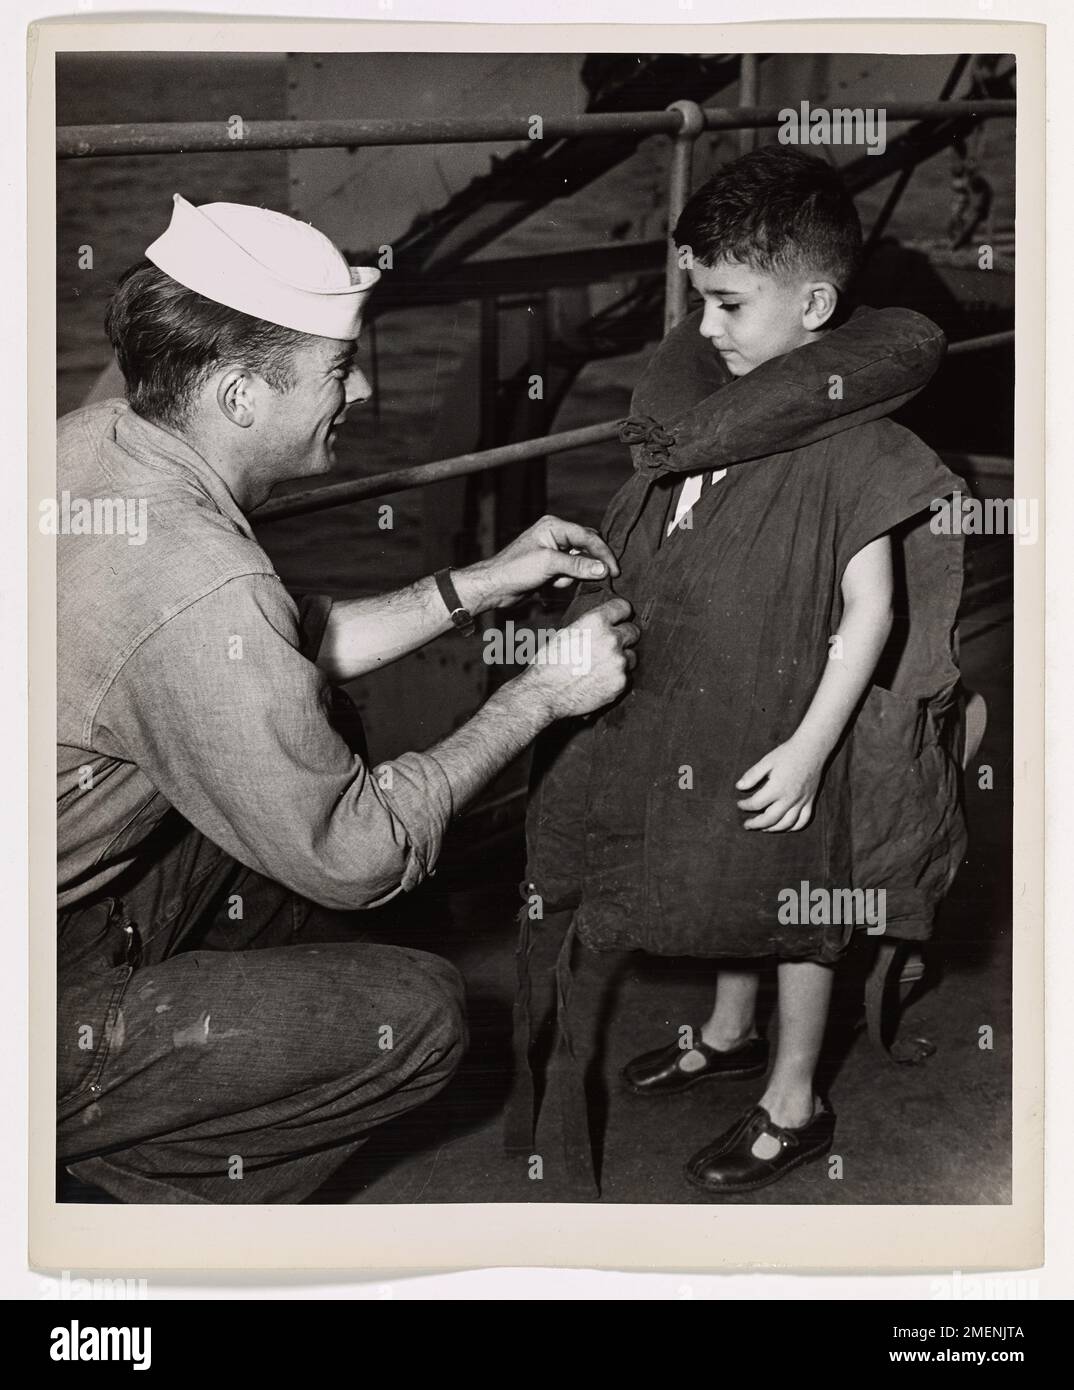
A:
(651, 439)
(520, 1115)
(565, 1071)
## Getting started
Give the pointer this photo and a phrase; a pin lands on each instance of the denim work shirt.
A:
(182, 683)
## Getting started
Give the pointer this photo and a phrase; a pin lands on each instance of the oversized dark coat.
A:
(633, 821)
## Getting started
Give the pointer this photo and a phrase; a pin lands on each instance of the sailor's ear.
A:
(234, 397)
(821, 300)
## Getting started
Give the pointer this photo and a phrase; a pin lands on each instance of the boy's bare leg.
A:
(734, 1015)
(805, 990)
(726, 1165)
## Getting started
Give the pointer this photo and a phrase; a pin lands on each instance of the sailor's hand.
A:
(551, 550)
(588, 663)
(789, 776)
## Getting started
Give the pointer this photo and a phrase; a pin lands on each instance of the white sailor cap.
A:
(264, 264)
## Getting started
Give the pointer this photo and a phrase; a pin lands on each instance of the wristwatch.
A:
(460, 616)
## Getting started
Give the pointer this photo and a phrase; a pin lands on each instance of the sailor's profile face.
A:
(751, 316)
(306, 418)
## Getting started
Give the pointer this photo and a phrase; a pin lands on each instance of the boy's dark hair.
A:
(167, 339)
(778, 210)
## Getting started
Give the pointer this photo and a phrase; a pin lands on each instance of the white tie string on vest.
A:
(264, 264)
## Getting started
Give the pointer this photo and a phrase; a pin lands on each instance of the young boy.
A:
(754, 767)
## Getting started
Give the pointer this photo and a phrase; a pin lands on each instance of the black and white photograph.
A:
(535, 538)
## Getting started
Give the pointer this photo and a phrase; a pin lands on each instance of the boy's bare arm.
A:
(792, 771)
(855, 649)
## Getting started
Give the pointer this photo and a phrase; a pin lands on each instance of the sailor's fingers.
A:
(582, 542)
(612, 610)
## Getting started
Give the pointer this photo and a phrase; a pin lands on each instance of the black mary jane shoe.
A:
(729, 1165)
(661, 1073)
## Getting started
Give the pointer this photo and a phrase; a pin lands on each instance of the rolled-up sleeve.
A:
(228, 719)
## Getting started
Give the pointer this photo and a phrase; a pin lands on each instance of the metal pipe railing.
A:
(684, 120)
(748, 90)
(210, 137)
(420, 475)
(988, 340)
(680, 174)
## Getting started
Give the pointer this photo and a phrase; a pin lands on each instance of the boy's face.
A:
(751, 315)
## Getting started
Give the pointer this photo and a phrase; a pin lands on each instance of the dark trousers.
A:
(220, 1040)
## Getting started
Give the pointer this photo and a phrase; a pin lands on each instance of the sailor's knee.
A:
(424, 1013)
(384, 1009)
(440, 995)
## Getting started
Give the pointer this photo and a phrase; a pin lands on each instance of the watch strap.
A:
(460, 616)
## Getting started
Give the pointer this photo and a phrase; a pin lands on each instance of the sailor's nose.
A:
(357, 388)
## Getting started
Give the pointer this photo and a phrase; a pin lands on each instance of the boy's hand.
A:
(785, 801)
